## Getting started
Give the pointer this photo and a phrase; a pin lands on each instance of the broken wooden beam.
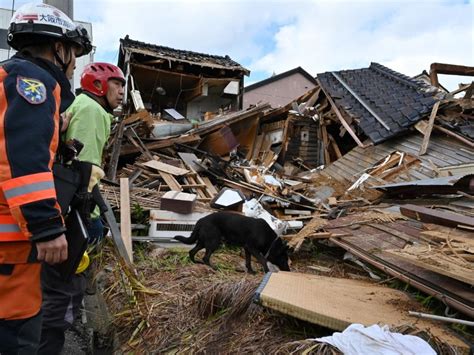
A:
(125, 217)
(429, 215)
(429, 128)
(341, 119)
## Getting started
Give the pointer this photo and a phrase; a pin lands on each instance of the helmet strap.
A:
(60, 61)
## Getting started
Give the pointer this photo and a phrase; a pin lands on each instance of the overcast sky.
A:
(275, 36)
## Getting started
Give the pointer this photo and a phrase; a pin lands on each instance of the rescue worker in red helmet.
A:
(34, 89)
(91, 116)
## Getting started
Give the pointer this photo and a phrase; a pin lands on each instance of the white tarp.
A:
(359, 340)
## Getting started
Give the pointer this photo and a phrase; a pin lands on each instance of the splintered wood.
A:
(313, 226)
(452, 259)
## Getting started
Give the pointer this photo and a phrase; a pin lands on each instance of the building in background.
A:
(7, 52)
(279, 90)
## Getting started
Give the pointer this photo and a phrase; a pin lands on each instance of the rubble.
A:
(369, 161)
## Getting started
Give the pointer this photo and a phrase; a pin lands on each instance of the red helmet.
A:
(102, 72)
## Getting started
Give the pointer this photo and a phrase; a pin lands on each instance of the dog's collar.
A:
(271, 246)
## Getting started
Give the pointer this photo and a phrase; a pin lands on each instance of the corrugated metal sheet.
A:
(442, 152)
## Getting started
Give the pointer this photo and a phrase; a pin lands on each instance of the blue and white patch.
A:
(32, 90)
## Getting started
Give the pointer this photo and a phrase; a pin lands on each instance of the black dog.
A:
(253, 234)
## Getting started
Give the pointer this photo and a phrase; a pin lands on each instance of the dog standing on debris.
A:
(253, 234)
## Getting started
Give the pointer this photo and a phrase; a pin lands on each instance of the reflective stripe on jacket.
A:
(29, 135)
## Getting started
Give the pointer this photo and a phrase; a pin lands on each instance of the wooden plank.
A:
(257, 146)
(334, 146)
(167, 168)
(454, 135)
(115, 231)
(170, 181)
(139, 146)
(112, 170)
(190, 159)
(125, 217)
(297, 212)
(324, 136)
(341, 118)
(210, 186)
(428, 258)
(429, 128)
(162, 143)
(139, 116)
(428, 215)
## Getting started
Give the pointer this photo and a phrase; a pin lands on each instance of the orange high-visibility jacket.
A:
(29, 135)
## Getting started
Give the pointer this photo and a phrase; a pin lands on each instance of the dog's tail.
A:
(192, 239)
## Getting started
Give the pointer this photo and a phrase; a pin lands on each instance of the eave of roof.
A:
(176, 55)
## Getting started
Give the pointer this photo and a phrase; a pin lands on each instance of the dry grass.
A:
(171, 305)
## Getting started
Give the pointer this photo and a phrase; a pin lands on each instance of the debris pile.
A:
(369, 162)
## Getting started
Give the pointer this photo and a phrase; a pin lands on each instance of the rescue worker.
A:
(102, 87)
(33, 88)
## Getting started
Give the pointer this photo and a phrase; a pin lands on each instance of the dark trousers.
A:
(61, 306)
(20, 336)
(62, 300)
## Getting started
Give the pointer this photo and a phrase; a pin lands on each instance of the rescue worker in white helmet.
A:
(34, 90)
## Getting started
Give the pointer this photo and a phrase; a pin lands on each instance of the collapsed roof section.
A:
(383, 102)
(171, 56)
(189, 82)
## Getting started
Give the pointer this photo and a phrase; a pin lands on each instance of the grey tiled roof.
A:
(397, 99)
(202, 59)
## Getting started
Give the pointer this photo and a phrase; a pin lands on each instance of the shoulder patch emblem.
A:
(32, 90)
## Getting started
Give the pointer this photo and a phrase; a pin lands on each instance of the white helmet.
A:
(34, 23)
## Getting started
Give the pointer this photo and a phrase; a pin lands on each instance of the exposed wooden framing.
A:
(170, 181)
(162, 143)
(181, 60)
(257, 143)
(335, 147)
(324, 136)
(285, 138)
(426, 138)
(138, 143)
(202, 188)
(112, 170)
(341, 119)
(451, 69)
(311, 101)
(125, 217)
(191, 177)
(461, 89)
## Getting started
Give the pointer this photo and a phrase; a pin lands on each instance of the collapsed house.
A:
(176, 83)
(372, 161)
